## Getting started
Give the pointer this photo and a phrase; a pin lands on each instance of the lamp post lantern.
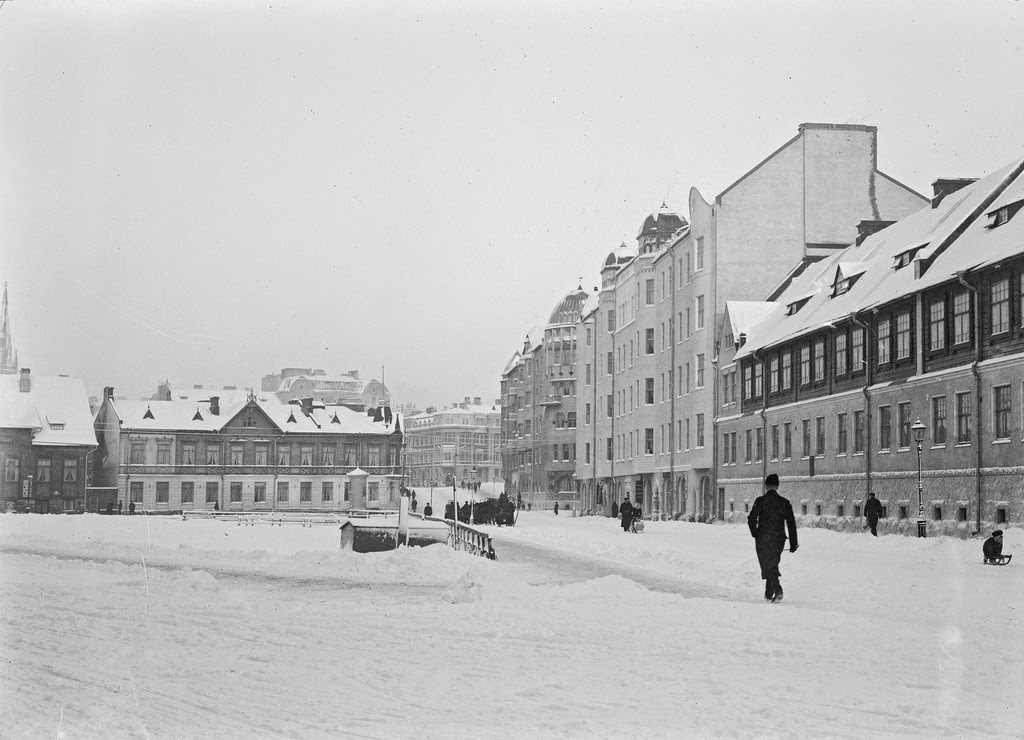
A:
(922, 528)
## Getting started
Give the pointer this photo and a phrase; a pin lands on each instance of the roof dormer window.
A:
(1003, 214)
(796, 305)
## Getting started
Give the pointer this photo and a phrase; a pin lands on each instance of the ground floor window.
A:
(211, 492)
(163, 492)
(327, 492)
(282, 491)
(188, 493)
(236, 493)
(373, 492)
(259, 493)
(306, 491)
(136, 492)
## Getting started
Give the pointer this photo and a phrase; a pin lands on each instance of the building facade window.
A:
(805, 365)
(787, 440)
(235, 493)
(700, 312)
(649, 297)
(70, 470)
(858, 431)
(819, 360)
(840, 361)
(884, 428)
(773, 375)
(963, 418)
(649, 341)
(163, 453)
(903, 343)
(700, 371)
(236, 454)
(138, 453)
(884, 341)
(1001, 409)
(211, 492)
(188, 454)
(819, 429)
(841, 434)
(939, 420)
(1000, 306)
(135, 492)
(259, 493)
(903, 410)
(962, 318)
(282, 491)
(806, 450)
(305, 491)
(188, 493)
(787, 370)
(856, 350)
(700, 431)
(700, 252)
(758, 444)
(775, 442)
(42, 470)
(937, 326)
(327, 491)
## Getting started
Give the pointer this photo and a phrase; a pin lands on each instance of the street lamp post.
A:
(922, 528)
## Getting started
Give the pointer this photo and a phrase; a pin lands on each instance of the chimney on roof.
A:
(867, 228)
(108, 393)
(946, 185)
(230, 388)
(354, 374)
(466, 401)
(25, 383)
(476, 400)
(307, 405)
(215, 405)
(197, 387)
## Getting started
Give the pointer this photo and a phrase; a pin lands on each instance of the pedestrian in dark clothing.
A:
(413, 504)
(131, 507)
(556, 508)
(626, 512)
(993, 547)
(119, 505)
(769, 519)
(449, 510)
(110, 507)
(428, 510)
(873, 510)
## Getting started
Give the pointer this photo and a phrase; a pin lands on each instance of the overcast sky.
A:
(206, 192)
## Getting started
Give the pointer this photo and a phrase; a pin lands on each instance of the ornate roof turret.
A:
(658, 228)
(570, 308)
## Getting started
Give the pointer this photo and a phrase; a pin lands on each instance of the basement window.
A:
(1000, 515)
(937, 513)
(961, 514)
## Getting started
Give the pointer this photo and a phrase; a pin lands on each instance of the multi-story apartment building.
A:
(296, 383)
(46, 441)
(460, 444)
(539, 410)
(255, 455)
(919, 325)
(800, 204)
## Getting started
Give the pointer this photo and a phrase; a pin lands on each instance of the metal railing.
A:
(472, 540)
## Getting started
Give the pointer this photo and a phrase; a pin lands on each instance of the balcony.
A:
(550, 401)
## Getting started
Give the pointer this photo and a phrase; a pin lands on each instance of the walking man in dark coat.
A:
(873, 510)
(769, 518)
(626, 512)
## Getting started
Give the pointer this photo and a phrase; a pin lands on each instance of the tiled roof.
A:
(51, 402)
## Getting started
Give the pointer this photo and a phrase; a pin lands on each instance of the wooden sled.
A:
(1001, 560)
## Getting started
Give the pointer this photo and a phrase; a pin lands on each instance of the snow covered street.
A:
(158, 627)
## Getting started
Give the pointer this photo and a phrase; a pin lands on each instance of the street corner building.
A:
(894, 366)
(539, 409)
(648, 363)
(458, 445)
(46, 443)
(255, 454)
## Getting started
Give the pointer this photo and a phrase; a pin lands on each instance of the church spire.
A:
(8, 357)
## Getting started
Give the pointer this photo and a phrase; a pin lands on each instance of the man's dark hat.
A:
(772, 480)
(997, 533)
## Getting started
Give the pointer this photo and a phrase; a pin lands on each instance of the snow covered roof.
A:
(56, 409)
(938, 244)
(186, 415)
(744, 315)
